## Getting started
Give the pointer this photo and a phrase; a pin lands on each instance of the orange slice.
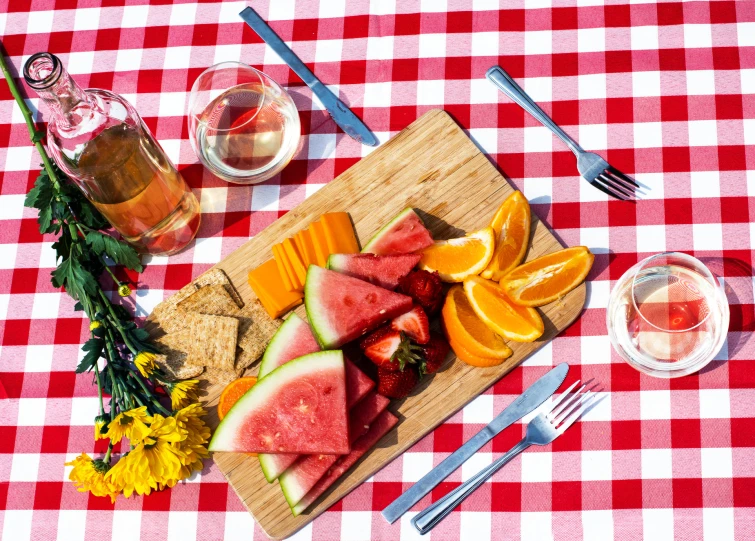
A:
(464, 328)
(549, 277)
(511, 224)
(455, 259)
(473, 360)
(490, 303)
(232, 392)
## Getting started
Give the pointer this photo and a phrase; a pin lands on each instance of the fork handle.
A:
(506, 84)
(426, 520)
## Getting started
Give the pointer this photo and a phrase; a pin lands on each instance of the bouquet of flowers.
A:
(161, 419)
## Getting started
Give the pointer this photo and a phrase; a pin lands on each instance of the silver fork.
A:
(541, 430)
(592, 167)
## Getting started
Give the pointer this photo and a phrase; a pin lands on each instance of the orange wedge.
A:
(549, 277)
(233, 391)
(464, 328)
(511, 224)
(473, 360)
(455, 259)
(490, 303)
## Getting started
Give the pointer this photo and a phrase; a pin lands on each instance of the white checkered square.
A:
(485, 138)
(658, 524)
(485, 44)
(592, 86)
(747, 80)
(87, 19)
(718, 524)
(128, 59)
(716, 462)
(540, 89)
(127, 524)
(24, 468)
(182, 525)
(177, 58)
(591, 40)
(536, 525)
(183, 14)
(358, 524)
(432, 45)
(46, 306)
(538, 42)
(593, 136)
(430, 92)
(238, 524)
(598, 292)
(328, 50)
(322, 146)
(39, 358)
(12, 206)
(597, 525)
(702, 133)
(697, 36)
(596, 466)
(31, 411)
(416, 465)
(379, 48)
(700, 82)
(655, 405)
(208, 250)
(707, 236)
(705, 183)
(332, 8)
(377, 94)
(656, 463)
(72, 524)
(595, 349)
(213, 199)
(135, 16)
(17, 524)
(474, 464)
(479, 410)
(714, 404)
(538, 139)
(537, 466)
(646, 83)
(644, 38)
(475, 526)
(40, 22)
(265, 197)
(651, 238)
(746, 34)
(648, 134)
(749, 131)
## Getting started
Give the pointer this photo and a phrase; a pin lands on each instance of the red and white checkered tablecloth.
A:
(664, 90)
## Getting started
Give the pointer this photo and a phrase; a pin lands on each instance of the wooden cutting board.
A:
(435, 168)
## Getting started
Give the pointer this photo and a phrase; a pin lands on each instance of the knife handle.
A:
(422, 487)
(269, 36)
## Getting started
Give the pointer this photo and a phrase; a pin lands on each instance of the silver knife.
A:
(342, 115)
(528, 401)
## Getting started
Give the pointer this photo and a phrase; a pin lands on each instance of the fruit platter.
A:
(366, 316)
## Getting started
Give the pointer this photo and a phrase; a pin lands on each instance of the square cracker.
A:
(212, 299)
(165, 315)
(213, 341)
(256, 328)
(174, 357)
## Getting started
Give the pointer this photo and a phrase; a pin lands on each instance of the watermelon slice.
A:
(293, 339)
(358, 384)
(403, 235)
(297, 408)
(382, 425)
(381, 270)
(299, 479)
(341, 308)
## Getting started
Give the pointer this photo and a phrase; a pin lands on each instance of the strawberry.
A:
(414, 323)
(434, 353)
(396, 384)
(425, 288)
(389, 349)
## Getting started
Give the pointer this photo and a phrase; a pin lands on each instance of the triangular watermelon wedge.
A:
(298, 408)
(293, 339)
(299, 479)
(341, 308)
(379, 428)
(381, 270)
(404, 234)
(358, 385)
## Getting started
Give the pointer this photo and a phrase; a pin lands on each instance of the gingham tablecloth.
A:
(664, 91)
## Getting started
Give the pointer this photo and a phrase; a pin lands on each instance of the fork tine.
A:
(584, 406)
(623, 176)
(574, 405)
(619, 183)
(557, 411)
(563, 395)
(610, 181)
(596, 184)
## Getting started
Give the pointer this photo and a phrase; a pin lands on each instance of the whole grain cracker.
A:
(212, 299)
(256, 328)
(217, 376)
(243, 361)
(213, 341)
(175, 356)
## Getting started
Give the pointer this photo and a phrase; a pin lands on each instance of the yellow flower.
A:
(197, 435)
(94, 325)
(130, 424)
(155, 462)
(91, 476)
(99, 422)
(124, 290)
(183, 392)
(145, 362)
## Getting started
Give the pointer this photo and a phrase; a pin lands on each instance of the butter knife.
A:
(528, 401)
(342, 115)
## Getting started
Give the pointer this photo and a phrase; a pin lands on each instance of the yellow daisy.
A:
(145, 362)
(153, 463)
(130, 424)
(197, 435)
(90, 476)
(99, 423)
(183, 393)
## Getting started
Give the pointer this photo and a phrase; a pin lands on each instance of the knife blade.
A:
(528, 401)
(341, 114)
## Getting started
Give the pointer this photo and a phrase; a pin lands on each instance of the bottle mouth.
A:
(42, 70)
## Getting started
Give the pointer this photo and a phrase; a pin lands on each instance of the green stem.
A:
(109, 452)
(34, 134)
(99, 388)
(148, 393)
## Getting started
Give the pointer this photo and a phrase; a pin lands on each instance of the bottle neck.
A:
(45, 74)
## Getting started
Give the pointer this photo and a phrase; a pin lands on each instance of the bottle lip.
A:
(42, 63)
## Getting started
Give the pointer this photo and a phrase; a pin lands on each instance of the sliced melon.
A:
(404, 234)
(358, 385)
(299, 479)
(379, 428)
(293, 339)
(299, 407)
(381, 270)
(341, 308)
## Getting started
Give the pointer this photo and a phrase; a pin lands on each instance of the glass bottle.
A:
(99, 140)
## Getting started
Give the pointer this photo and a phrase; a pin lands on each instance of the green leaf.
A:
(41, 195)
(76, 279)
(45, 219)
(94, 348)
(37, 137)
(117, 250)
(90, 216)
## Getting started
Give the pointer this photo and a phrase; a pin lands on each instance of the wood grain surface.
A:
(435, 168)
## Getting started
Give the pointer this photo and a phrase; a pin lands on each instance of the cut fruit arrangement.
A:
(312, 413)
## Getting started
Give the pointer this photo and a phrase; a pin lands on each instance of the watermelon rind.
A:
(274, 465)
(265, 388)
(387, 230)
(284, 338)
